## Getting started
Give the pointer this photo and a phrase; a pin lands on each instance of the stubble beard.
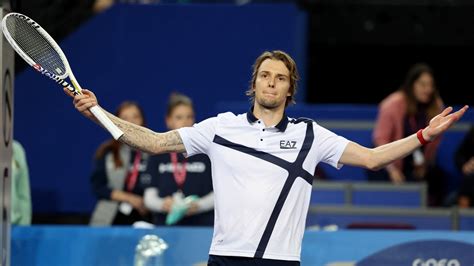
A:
(268, 104)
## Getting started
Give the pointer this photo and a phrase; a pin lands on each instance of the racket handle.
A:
(106, 122)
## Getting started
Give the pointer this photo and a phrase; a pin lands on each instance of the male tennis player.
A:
(263, 163)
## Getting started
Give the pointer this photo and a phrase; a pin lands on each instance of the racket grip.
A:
(106, 122)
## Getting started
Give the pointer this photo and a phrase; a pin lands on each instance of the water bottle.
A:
(149, 251)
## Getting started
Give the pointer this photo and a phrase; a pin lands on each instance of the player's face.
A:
(131, 114)
(272, 84)
(181, 116)
(423, 88)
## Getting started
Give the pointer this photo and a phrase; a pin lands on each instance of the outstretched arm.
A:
(136, 136)
(146, 140)
(376, 158)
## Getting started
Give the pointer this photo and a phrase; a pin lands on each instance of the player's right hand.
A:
(82, 102)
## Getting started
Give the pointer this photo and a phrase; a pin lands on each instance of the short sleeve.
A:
(198, 138)
(329, 145)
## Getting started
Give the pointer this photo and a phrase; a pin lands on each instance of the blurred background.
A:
(350, 54)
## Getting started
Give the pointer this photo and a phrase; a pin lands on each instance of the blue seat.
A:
(344, 217)
(389, 195)
(328, 197)
(408, 199)
(369, 194)
(466, 219)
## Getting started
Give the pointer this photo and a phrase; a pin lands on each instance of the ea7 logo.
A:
(287, 144)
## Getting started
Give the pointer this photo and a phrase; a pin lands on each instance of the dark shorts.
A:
(243, 261)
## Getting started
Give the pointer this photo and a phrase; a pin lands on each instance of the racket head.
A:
(35, 45)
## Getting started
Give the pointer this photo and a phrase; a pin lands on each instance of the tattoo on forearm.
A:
(146, 140)
(170, 141)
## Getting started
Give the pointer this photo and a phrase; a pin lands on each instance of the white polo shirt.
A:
(262, 179)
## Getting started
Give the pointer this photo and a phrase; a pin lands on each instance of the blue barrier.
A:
(78, 246)
(369, 217)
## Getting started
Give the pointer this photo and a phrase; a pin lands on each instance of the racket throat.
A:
(57, 79)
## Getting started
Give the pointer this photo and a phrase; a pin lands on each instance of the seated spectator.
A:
(174, 176)
(402, 114)
(118, 179)
(465, 163)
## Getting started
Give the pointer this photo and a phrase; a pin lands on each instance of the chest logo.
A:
(287, 144)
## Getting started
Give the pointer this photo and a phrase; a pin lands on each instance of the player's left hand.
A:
(442, 122)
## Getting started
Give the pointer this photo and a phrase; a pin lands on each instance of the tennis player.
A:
(263, 163)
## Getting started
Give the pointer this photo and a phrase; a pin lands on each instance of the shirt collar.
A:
(281, 126)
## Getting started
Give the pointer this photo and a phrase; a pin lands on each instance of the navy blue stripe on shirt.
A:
(253, 152)
(294, 169)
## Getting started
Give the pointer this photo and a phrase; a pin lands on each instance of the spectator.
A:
(118, 179)
(173, 175)
(402, 114)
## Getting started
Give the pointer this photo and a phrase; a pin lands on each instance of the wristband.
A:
(422, 140)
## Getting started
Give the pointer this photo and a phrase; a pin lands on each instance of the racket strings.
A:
(35, 45)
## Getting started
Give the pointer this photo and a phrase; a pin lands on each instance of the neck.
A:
(270, 117)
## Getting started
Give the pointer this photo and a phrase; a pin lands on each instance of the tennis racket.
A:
(41, 52)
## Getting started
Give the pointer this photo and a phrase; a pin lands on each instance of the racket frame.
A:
(75, 88)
